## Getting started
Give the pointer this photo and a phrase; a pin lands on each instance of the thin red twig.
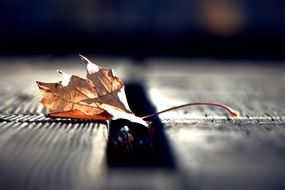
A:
(233, 112)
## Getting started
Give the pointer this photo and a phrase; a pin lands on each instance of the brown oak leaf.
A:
(101, 96)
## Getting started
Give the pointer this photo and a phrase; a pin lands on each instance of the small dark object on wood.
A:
(129, 143)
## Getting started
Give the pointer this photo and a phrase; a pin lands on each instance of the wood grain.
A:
(211, 149)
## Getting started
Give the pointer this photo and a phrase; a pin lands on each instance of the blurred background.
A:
(229, 51)
(247, 29)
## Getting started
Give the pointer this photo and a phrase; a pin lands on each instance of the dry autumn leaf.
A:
(101, 96)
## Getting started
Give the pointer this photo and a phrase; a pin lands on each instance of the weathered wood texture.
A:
(211, 149)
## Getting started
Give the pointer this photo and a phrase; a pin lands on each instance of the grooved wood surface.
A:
(211, 149)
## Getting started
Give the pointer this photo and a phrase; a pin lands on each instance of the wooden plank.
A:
(212, 149)
(52, 155)
(229, 156)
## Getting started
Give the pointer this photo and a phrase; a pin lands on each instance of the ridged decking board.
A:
(211, 150)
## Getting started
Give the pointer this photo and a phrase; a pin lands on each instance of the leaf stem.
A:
(233, 112)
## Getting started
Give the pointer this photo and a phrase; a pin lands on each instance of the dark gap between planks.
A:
(146, 150)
